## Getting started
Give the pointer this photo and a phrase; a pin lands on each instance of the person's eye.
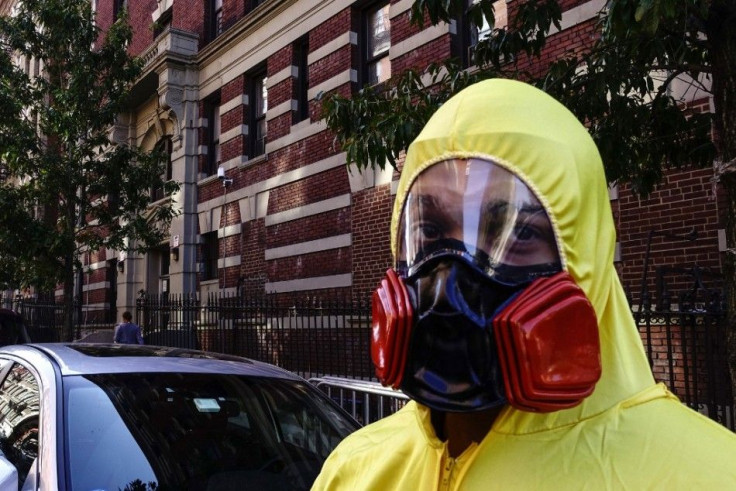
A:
(525, 232)
(428, 231)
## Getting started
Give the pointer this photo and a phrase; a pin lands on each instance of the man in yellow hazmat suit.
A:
(504, 321)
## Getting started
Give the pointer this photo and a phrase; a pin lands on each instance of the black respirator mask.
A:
(458, 327)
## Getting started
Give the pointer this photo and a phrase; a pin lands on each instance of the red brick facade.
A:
(300, 204)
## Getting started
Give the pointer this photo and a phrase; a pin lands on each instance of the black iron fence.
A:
(684, 338)
(685, 335)
(42, 316)
(310, 337)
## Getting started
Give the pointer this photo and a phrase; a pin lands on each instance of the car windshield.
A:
(197, 431)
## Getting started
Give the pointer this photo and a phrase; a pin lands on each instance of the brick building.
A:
(267, 203)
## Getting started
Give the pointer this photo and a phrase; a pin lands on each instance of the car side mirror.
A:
(8, 475)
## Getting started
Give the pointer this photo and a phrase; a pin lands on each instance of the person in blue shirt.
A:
(128, 332)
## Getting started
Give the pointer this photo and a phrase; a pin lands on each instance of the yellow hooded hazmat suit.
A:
(631, 433)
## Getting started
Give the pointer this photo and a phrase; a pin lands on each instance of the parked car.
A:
(107, 417)
(12, 330)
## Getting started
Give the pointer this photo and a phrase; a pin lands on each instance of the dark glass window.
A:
(212, 112)
(469, 34)
(210, 255)
(301, 84)
(255, 3)
(163, 146)
(377, 41)
(215, 18)
(118, 7)
(162, 23)
(258, 108)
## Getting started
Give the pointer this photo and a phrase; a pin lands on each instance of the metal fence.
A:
(330, 340)
(365, 400)
(43, 316)
(685, 336)
(310, 337)
(687, 351)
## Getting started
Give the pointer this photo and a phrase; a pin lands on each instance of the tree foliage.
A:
(630, 87)
(67, 186)
(620, 87)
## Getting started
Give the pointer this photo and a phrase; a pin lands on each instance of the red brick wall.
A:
(232, 11)
(280, 93)
(189, 15)
(233, 118)
(139, 13)
(330, 29)
(328, 224)
(253, 261)
(319, 187)
(371, 237)
(322, 263)
(568, 4)
(684, 358)
(685, 201)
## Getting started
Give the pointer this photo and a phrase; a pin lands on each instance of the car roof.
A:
(9, 313)
(96, 358)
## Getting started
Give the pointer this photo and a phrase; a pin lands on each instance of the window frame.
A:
(210, 256)
(215, 17)
(157, 192)
(254, 4)
(301, 82)
(117, 8)
(214, 131)
(258, 79)
(367, 59)
(162, 23)
(469, 34)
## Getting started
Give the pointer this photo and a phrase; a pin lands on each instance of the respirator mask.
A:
(478, 311)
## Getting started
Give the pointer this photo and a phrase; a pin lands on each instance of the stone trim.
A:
(344, 39)
(314, 283)
(308, 210)
(229, 231)
(323, 244)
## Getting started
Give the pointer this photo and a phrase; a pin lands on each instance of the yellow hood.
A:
(535, 137)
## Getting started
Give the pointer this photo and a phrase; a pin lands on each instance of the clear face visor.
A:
(482, 213)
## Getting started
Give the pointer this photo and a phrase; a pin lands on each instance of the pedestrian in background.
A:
(127, 332)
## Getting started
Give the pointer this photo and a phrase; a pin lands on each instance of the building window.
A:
(210, 255)
(165, 147)
(377, 40)
(470, 34)
(258, 106)
(301, 83)
(215, 18)
(255, 3)
(118, 7)
(162, 23)
(212, 112)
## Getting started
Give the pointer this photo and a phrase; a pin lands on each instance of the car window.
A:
(19, 419)
(299, 425)
(197, 431)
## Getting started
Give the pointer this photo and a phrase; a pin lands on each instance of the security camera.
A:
(221, 176)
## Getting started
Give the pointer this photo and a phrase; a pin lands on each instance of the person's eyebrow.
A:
(532, 210)
(497, 206)
(431, 201)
